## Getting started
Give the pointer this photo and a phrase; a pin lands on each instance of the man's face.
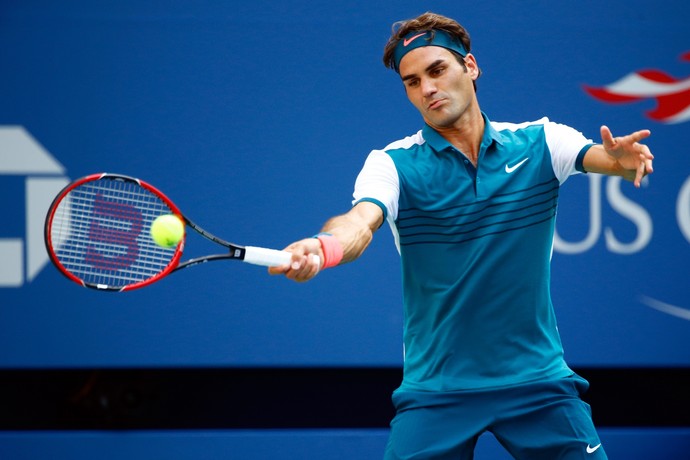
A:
(438, 85)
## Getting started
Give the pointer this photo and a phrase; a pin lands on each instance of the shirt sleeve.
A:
(567, 147)
(378, 182)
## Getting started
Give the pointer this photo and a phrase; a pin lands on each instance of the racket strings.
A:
(100, 233)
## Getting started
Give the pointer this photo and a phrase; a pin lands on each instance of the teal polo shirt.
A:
(475, 245)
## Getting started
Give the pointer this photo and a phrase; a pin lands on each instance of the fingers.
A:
(646, 158)
(635, 158)
(305, 263)
(609, 142)
(304, 267)
(645, 165)
(649, 168)
(639, 135)
(639, 174)
(607, 138)
(645, 155)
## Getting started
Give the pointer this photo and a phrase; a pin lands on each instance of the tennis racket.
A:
(97, 235)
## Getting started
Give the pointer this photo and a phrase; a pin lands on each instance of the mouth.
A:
(435, 104)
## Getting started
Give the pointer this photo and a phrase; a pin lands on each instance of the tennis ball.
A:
(167, 230)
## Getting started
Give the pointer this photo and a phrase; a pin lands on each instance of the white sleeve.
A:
(378, 182)
(565, 144)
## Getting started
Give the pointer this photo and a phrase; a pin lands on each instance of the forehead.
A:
(417, 60)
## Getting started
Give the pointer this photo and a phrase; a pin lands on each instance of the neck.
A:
(466, 134)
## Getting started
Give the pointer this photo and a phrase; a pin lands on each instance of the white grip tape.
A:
(266, 257)
(269, 257)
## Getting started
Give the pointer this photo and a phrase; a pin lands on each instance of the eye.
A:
(436, 71)
(412, 82)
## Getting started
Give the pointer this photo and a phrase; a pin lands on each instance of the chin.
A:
(441, 122)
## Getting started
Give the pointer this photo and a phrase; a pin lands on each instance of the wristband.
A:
(332, 249)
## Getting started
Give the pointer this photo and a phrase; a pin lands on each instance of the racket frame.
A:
(234, 251)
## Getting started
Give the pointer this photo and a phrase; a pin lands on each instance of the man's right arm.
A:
(353, 231)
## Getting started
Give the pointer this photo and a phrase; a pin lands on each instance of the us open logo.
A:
(22, 156)
(672, 97)
(671, 94)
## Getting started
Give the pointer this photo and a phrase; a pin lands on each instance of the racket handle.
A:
(268, 257)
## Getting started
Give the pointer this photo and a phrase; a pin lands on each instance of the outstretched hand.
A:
(633, 157)
(305, 263)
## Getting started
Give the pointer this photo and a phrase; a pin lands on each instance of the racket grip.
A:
(268, 257)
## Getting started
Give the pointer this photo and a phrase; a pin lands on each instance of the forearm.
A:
(352, 232)
(596, 160)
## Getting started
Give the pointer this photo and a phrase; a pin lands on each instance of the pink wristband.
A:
(332, 250)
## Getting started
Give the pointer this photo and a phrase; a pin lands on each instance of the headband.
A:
(417, 39)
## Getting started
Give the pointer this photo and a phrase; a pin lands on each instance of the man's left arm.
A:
(621, 156)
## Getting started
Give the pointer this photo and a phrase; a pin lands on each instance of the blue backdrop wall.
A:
(255, 117)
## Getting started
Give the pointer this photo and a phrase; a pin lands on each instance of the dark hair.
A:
(424, 22)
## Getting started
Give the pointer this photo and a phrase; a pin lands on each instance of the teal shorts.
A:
(538, 420)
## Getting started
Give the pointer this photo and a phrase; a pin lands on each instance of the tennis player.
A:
(472, 205)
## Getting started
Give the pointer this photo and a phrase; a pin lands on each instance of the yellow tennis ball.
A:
(167, 230)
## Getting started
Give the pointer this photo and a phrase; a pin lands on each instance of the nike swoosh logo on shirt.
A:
(591, 450)
(407, 41)
(510, 169)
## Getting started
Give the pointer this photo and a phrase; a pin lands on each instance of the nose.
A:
(428, 87)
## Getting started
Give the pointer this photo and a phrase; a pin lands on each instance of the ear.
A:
(472, 66)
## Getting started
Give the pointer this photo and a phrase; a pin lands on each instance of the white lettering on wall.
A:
(626, 208)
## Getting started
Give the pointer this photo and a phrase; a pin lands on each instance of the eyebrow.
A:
(436, 63)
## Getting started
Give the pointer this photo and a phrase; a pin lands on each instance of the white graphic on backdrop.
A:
(635, 214)
(21, 155)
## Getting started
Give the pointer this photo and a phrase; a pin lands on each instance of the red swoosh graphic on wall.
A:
(672, 95)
